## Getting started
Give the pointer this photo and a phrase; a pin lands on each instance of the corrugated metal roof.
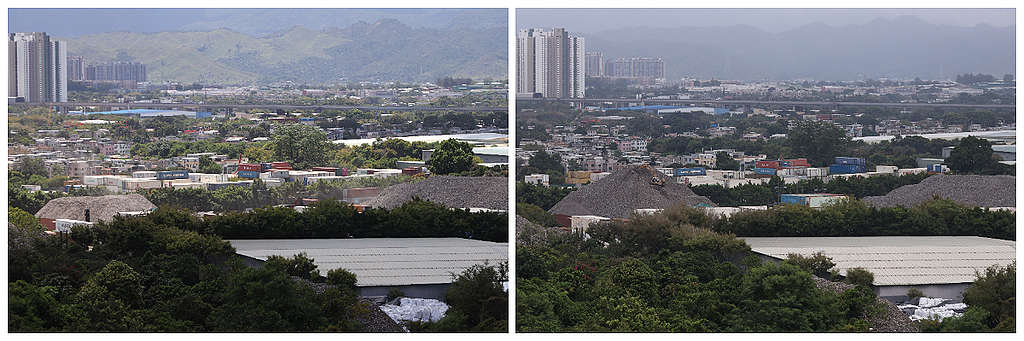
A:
(899, 260)
(384, 261)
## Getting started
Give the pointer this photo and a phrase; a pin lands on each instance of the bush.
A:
(818, 263)
(342, 278)
(860, 277)
(394, 293)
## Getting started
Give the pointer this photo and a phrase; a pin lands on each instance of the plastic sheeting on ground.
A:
(933, 309)
(415, 309)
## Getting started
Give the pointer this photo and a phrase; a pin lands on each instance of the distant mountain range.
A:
(903, 47)
(384, 50)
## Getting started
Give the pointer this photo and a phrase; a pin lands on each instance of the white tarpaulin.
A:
(415, 309)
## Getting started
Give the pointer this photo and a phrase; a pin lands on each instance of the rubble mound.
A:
(530, 234)
(489, 192)
(619, 194)
(891, 320)
(967, 190)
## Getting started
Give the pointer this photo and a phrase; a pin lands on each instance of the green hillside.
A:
(385, 50)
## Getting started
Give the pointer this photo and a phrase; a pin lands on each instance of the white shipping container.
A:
(906, 171)
(144, 174)
(189, 185)
(817, 172)
(93, 180)
(593, 177)
(580, 223)
(65, 225)
(886, 169)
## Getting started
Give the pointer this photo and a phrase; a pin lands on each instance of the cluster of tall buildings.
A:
(640, 68)
(550, 63)
(112, 71)
(36, 68)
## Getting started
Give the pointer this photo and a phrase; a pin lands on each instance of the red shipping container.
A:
(802, 162)
(767, 164)
(325, 169)
(280, 165)
(250, 167)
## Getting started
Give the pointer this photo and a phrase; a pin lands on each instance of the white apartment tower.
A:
(555, 65)
(37, 67)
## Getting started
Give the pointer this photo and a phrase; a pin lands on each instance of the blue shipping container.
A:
(765, 171)
(249, 174)
(171, 175)
(845, 169)
(935, 168)
(690, 171)
(842, 160)
(793, 199)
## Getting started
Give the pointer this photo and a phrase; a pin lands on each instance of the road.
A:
(786, 103)
(254, 106)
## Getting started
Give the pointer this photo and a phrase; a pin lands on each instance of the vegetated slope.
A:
(902, 47)
(386, 50)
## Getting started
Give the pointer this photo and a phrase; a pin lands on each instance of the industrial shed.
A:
(101, 208)
(939, 266)
(420, 267)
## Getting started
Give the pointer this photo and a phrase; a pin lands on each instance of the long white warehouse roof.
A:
(384, 261)
(899, 260)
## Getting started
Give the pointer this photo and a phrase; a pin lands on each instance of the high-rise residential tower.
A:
(37, 67)
(555, 66)
(595, 64)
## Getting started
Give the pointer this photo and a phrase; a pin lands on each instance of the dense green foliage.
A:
(668, 272)
(939, 217)
(535, 214)
(164, 149)
(301, 145)
(991, 304)
(476, 302)
(543, 196)
(236, 198)
(544, 163)
(333, 219)
(451, 156)
(381, 153)
(137, 274)
(819, 142)
(974, 156)
(753, 195)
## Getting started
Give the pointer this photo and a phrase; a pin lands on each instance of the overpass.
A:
(64, 106)
(584, 101)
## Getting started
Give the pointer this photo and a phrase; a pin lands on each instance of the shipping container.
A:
(249, 174)
(265, 166)
(411, 171)
(793, 199)
(886, 169)
(801, 162)
(343, 172)
(170, 175)
(765, 171)
(845, 169)
(333, 170)
(144, 174)
(690, 171)
(843, 160)
(767, 164)
(280, 165)
(250, 167)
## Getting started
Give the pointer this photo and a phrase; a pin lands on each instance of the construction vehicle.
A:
(655, 179)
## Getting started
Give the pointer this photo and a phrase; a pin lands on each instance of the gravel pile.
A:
(452, 191)
(892, 320)
(619, 194)
(968, 190)
(530, 234)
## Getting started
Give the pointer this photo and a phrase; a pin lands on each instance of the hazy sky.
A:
(772, 20)
(71, 22)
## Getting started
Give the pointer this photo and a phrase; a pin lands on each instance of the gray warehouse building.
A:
(420, 267)
(939, 266)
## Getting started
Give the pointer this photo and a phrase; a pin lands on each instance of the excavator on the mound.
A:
(655, 179)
